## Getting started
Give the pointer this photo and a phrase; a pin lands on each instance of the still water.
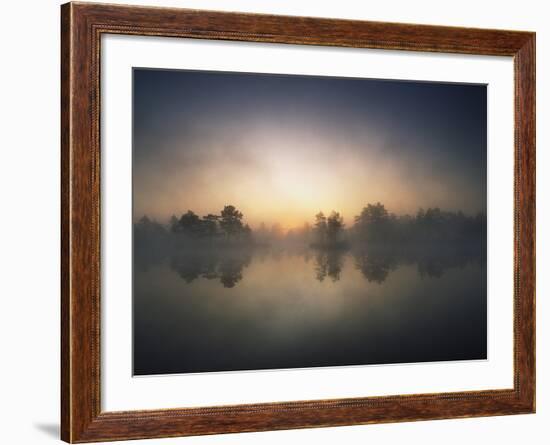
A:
(226, 310)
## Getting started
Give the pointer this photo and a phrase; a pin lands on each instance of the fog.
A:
(287, 221)
(283, 148)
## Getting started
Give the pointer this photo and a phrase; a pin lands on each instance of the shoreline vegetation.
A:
(220, 246)
(374, 225)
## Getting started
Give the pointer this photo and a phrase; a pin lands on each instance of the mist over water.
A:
(269, 308)
(286, 221)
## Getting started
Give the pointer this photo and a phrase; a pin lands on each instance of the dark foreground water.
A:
(260, 308)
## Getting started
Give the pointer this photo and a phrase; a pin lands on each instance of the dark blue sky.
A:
(282, 147)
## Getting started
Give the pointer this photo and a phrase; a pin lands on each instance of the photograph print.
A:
(285, 221)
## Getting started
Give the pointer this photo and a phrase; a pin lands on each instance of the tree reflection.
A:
(374, 265)
(226, 266)
(434, 262)
(219, 246)
(329, 263)
(376, 261)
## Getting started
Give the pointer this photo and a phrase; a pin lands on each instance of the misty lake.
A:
(290, 221)
(201, 310)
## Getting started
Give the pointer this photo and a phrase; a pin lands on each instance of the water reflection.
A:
(328, 263)
(226, 266)
(388, 290)
(374, 266)
(376, 263)
(204, 309)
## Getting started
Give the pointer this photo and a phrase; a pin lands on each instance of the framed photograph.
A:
(275, 222)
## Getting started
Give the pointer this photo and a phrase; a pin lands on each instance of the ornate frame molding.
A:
(82, 25)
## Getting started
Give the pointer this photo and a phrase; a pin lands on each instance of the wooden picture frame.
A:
(82, 25)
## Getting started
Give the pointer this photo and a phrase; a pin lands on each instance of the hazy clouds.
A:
(281, 148)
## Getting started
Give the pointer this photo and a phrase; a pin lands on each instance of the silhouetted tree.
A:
(335, 226)
(147, 228)
(210, 225)
(321, 227)
(373, 221)
(173, 223)
(189, 224)
(231, 221)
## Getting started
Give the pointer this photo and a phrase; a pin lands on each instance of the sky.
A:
(281, 148)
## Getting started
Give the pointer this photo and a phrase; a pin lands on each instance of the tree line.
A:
(228, 224)
(374, 224)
